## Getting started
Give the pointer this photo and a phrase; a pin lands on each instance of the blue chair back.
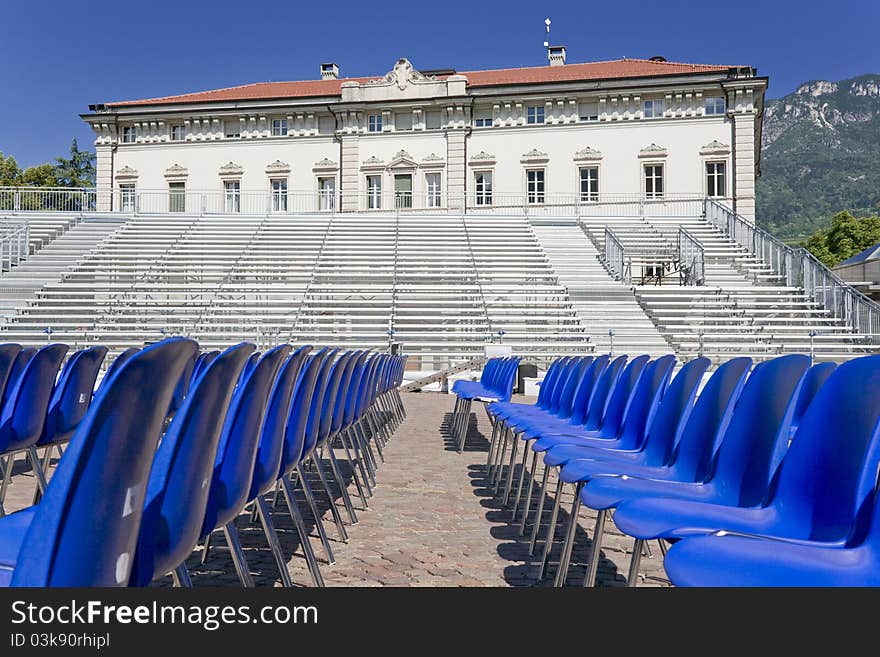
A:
(673, 412)
(601, 392)
(331, 393)
(118, 362)
(23, 358)
(182, 389)
(548, 381)
(646, 396)
(313, 426)
(85, 529)
(572, 382)
(815, 379)
(202, 362)
(827, 479)
(8, 355)
(24, 414)
(621, 396)
(695, 447)
(237, 447)
(757, 436)
(298, 419)
(72, 395)
(269, 448)
(177, 491)
(585, 390)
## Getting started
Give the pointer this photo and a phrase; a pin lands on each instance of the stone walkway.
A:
(433, 521)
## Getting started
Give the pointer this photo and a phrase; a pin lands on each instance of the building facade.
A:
(558, 134)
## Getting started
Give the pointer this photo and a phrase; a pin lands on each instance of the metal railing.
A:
(691, 258)
(14, 243)
(47, 199)
(799, 268)
(616, 258)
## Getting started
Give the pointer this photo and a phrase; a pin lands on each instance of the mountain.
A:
(820, 154)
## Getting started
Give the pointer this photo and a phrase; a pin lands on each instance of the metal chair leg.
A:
(522, 477)
(272, 537)
(593, 567)
(206, 549)
(551, 533)
(570, 531)
(539, 513)
(528, 500)
(310, 500)
(632, 578)
(181, 578)
(38, 469)
(356, 466)
(303, 535)
(334, 511)
(237, 553)
(337, 474)
(510, 468)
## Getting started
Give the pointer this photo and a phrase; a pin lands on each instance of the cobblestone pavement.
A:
(433, 521)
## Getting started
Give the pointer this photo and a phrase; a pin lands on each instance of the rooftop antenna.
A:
(547, 38)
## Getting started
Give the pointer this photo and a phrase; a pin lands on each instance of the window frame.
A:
(653, 103)
(127, 197)
(538, 195)
(534, 113)
(715, 102)
(177, 194)
(326, 198)
(282, 128)
(374, 122)
(433, 189)
(129, 134)
(707, 176)
(182, 131)
(279, 196)
(589, 196)
(484, 189)
(374, 192)
(484, 122)
(232, 194)
(654, 195)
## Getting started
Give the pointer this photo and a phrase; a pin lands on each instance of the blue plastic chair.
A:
(236, 453)
(8, 356)
(24, 413)
(118, 362)
(83, 533)
(182, 389)
(23, 358)
(268, 458)
(814, 379)
(177, 491)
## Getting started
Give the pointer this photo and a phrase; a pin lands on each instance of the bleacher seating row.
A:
(765, 475)
(173, 444)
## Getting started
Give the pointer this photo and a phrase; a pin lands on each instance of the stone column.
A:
(349, 172)
(104, 177)
(744, 164)
(455, 168)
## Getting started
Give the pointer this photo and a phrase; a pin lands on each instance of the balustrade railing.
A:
(691, 258)
(616, 258)
(14, 243)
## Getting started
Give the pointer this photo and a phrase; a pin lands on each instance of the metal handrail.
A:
(800, 268)
(691, 258)
(616, 257)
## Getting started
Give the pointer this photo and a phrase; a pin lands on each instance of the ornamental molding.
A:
(176, 171)
(653, 151)
(373, 162)
(534, 156)
(402, 75)
(126, 172)
(587, 154)
(231, 170)
(482, 158)
(715, 147)
(402, 160)
(276, 167)
(326, 164)
(433, 160)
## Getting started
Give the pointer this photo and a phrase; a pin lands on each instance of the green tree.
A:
(844, 238)
(43, 175)
(9, 171)
(76, 171)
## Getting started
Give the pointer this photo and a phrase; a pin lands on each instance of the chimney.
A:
(329, 71)
(556, 55)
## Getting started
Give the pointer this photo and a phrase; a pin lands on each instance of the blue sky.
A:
(57, 57)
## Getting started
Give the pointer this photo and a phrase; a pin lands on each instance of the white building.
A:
(557, 134)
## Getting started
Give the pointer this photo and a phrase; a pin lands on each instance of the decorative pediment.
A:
(534, 156)
(433, 161)
(653, 151)
(176, 171)
(402, 160)
(277, 167)
(402, 75)
(231, 170)
(587, 154)
(715, 147)
(126, 172)
(326, 164)
(373, 162)
(482, 158)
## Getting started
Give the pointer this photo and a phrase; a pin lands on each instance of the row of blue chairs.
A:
(764, 475)
(175, 445)
(495, 385)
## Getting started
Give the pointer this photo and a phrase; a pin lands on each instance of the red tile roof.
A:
(619, 68)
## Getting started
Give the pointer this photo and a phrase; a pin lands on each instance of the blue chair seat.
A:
(580, 469)
(12, 532)
(611, 492)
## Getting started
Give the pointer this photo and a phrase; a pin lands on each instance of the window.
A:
(716, 105)
(374, 123)
(535, 185)
(327, 194)
(432, 119)
(177, 197)
(535, 114)
(374, 192)
(588, 111)
(403, 121)
(232, 188)
(483, 122)
(279, 195)
(403, 190)
(129, 134)
(279, 127)
(716, 184)
(589, 178)
(653, 109)
(127, 196)
(483, 187)
(653, 181)
(432, 186)
(232, 129)
(177, 132)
